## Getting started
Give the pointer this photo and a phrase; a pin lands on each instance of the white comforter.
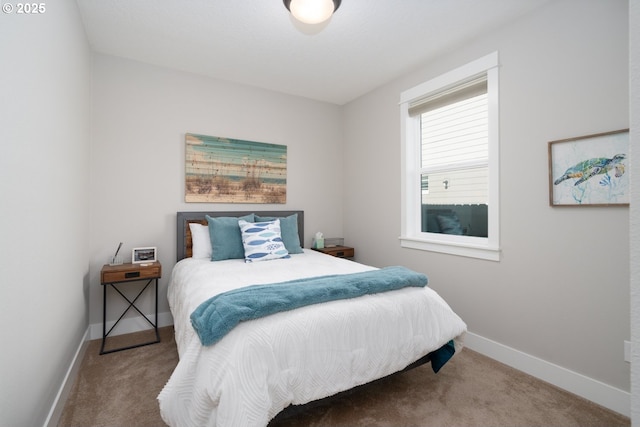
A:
(264, 365)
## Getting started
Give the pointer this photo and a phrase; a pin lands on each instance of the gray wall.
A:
(44, 172)
(139, 119)
(634, 114)
(561, 289)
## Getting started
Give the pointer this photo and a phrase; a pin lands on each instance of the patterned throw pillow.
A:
(289, 230)
(262, 240)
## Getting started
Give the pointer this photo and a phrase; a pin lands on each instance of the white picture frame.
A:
(145, 255)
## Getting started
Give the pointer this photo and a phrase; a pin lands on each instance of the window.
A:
(450, 200)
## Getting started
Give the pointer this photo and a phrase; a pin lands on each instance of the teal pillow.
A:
(289, 230)
(226, 239)
(449, 224)
(262, 240)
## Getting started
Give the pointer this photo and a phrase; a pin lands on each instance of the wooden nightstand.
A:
(112, 275)
(338, 251)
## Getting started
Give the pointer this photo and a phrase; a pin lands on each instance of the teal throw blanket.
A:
(214, 318)
(442, 355)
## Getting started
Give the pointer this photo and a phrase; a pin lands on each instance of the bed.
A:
(261, 366)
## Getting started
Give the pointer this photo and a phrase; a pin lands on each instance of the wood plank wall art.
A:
(226, 170)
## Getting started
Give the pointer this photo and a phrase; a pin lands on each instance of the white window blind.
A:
(454, 144)
(459, 92)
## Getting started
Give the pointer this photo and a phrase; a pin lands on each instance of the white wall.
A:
(140, 114)
(634, 116)
(44, 172)
(561, 290)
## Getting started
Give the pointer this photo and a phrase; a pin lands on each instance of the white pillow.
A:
(200, 240)
(262, 240)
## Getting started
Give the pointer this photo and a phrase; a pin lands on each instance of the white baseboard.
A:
(598, 392)
(129, 325)
(65, 388)
(94, 331)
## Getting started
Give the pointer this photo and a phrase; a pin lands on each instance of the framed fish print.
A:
(590, 170)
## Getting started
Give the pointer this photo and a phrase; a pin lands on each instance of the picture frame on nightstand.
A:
(144, 255)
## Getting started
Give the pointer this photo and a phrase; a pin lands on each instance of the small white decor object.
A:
(115, 259)
(318, 241)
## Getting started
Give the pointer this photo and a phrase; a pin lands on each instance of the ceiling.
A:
(256, 42)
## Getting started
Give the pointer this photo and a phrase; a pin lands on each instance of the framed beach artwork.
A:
(225, 170)
(590, 170)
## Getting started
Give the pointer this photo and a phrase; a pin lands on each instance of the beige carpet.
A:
(120, 389)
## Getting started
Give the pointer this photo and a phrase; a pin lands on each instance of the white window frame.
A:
(412, 235)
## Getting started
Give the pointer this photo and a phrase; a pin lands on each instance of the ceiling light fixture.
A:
(312, 11)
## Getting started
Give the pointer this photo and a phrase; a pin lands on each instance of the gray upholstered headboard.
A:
(184, 233)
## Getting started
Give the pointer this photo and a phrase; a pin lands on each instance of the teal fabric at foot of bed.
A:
(214, 318)
(441, 356)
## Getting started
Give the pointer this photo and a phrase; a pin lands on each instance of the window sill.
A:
(451, 248)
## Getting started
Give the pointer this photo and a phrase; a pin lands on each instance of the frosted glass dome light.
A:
(312, 11)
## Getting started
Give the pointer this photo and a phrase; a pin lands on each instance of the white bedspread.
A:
(264, 365)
